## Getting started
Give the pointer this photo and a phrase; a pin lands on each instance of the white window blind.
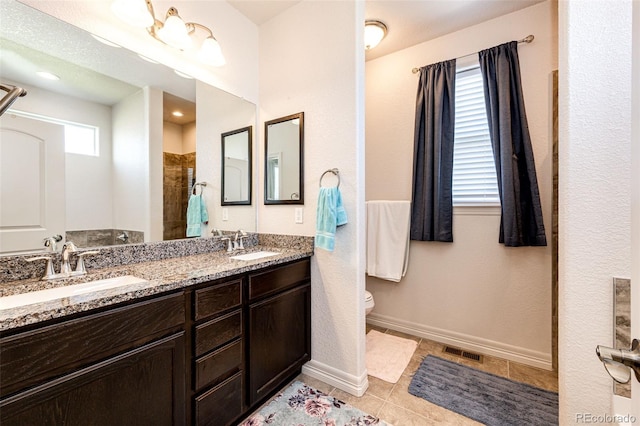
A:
(474, 172)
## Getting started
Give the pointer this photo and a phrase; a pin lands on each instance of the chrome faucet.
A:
(68, 248)
(229, 243)
(237, 241)
(50, 242)
(65, 266)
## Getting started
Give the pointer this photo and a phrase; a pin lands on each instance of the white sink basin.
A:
(255, 255)
(33, 297)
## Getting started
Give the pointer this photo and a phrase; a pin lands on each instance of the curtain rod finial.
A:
(528, 39)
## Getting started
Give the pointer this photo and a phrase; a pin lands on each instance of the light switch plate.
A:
(225, 213)
(298, 214)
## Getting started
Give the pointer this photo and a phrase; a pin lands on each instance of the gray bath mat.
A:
(485, 397)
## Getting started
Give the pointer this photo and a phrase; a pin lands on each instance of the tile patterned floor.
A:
(394, 404)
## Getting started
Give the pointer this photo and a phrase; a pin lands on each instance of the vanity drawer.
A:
(212, 367)
(221, 405)
(33, 357)
(217, 298)
(217, 332)
(278, 279)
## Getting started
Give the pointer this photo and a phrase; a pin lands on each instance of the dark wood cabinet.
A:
(208, 355)
(218, 360)
(122, 366)
(140, 387)
(279, 327)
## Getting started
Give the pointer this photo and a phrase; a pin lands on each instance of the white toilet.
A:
(368, 302)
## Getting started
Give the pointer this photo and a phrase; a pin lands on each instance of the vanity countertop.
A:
(160, 275)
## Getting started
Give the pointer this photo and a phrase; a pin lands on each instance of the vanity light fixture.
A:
(173, 31)
(374, 32)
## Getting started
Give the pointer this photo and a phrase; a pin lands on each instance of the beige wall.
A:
(473, 293)
(172, 138)
(305, 68)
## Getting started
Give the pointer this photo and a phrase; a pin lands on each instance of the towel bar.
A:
(335, 171)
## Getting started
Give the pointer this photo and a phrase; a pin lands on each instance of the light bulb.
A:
(174, 33)
(133, 12)
(211, 53)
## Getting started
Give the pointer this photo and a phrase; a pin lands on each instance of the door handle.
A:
(620, 362)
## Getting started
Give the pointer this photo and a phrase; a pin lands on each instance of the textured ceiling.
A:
(260, 11)
(410, 22)
(93, 71)
(87, 68)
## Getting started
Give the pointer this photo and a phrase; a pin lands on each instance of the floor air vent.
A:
(464, 354)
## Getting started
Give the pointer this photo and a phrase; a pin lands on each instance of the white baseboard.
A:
(464, 341)
(347, 382)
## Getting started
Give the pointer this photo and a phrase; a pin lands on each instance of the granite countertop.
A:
(161, 275)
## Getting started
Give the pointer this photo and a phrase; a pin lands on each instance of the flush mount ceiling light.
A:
(173, 31)
(374, 32)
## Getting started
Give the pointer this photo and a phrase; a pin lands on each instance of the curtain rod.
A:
(527, 39)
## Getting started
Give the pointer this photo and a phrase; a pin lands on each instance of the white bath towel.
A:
(388, 224)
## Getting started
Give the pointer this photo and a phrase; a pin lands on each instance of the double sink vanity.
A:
(173, 333)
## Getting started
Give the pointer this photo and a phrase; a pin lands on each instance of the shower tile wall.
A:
(103, 237)
(176, 193)
(622, 308)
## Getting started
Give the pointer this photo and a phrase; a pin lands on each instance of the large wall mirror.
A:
(236, 167)
(284, 174)
(134, 188)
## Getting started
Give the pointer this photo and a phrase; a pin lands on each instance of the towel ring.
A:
(201, 185)
(336, 172)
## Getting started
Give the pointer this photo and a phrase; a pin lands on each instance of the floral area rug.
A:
(300, 405)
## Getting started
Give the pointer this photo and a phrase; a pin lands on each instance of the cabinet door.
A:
(36, 357)
(279, 339)
(145, 386)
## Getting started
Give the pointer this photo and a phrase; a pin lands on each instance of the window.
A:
(474, 173)
(80, 139)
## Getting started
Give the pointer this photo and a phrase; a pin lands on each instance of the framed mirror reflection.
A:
(142, 147)
(236, 166)
(284, 174)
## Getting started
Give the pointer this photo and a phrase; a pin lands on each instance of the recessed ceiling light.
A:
(147, 59)
(177, 114)
(105, 41)
(47, 75)
(183, 75)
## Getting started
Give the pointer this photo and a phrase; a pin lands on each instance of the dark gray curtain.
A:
(432, 207)
(521, 223)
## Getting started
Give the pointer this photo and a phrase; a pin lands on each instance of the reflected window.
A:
(81, 140)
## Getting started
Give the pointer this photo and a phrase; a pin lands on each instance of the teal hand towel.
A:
(196, 215)
(329, 215)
